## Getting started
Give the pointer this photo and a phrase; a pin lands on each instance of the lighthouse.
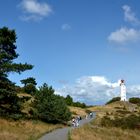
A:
(123, 90)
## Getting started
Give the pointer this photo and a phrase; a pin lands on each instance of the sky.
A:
(80, 47)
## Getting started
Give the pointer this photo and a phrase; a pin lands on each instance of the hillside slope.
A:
(117, 120)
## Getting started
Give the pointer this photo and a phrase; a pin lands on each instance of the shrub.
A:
(113, 100)
(135, 100)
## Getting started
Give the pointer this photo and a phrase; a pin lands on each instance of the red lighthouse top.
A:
(122, 81)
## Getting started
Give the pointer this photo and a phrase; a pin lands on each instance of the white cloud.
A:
(96, 90)
(91, 90)
(34, 10)
(65, 27)
(133, 91)
(124, 36)
(31, 18)
(129, 15)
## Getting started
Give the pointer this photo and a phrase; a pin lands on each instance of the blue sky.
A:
(80, 47)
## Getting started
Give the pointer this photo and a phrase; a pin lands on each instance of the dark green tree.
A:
(50, 107)
(8, 97)
(29, 85)
(78, 104)
(29, 80)
(69, 100)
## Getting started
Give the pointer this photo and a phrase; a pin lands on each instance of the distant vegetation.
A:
(69, 101)
(135, 100)
(113, 100)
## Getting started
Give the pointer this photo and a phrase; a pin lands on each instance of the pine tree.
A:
(50, 107)
(29, 85)
(8, 97)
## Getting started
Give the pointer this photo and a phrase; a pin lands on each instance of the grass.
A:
(115, 111)
(77, 111)
(119, 109)
(114, 106)
(29, 129)
(103, 133)
(24, 130)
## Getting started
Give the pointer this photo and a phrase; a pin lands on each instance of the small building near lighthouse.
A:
(123, 90)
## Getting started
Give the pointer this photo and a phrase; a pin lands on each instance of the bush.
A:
(113, 100)
(135, 100)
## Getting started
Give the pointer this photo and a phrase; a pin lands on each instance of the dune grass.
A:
(77, 111)
(103, 133)
(96, 131)
(29, 129)
(24, 130)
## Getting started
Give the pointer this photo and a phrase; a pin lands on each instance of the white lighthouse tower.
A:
(123, 90)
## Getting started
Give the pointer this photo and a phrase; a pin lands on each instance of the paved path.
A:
(62, 133)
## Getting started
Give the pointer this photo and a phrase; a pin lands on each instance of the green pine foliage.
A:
(29, 85)
(50, 107)
(29, 80)
(45, 105)
(69, 101)
(9, 102)
(113, 100)
(78, 104)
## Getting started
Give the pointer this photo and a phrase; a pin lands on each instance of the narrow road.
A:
(62, 133)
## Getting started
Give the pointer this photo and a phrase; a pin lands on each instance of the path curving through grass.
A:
(62, 133)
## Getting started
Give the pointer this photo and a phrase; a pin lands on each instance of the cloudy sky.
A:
(80, 47)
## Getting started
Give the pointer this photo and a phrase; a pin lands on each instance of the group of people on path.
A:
(76, 120)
